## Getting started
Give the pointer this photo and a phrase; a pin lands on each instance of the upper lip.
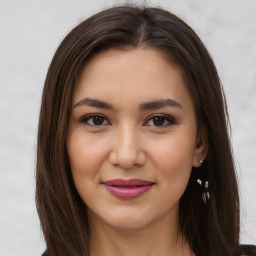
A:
(127, 183)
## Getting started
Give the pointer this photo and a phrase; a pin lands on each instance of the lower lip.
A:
(127, 192)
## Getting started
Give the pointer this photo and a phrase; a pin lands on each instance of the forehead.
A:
(138, 74)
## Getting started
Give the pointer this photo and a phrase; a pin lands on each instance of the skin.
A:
(129, 143)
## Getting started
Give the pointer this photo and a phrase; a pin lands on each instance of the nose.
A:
(127, 150)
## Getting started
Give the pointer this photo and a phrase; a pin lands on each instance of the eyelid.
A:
(168, 118)
(87, 117)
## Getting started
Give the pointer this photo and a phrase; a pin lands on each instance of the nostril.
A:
(125, 156)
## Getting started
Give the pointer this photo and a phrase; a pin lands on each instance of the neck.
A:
(154, 240)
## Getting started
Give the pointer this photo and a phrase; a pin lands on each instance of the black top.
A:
(244, 250)
(249, 250)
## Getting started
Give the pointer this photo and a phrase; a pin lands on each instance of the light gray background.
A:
(30, 31)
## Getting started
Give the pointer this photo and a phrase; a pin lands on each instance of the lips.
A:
(127, 189)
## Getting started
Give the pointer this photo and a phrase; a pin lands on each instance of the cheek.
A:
(85, 155)
(173, 160)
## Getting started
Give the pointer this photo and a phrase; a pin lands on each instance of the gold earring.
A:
(205, 194)
(199, 182)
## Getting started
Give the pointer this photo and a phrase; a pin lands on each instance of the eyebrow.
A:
(157, 104)
(160, 104)
(93, 103)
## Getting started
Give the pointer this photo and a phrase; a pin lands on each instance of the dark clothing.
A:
(249, 250)
(244, 250)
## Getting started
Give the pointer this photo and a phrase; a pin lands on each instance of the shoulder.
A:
(247, 250)
(244, 250)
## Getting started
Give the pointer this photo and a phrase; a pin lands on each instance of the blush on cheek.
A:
(85, 165)
(175, 162)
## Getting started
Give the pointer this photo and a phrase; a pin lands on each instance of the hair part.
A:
(211, 229)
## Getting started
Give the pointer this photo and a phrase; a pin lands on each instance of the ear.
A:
(201, 148)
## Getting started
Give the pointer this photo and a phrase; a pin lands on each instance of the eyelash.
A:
(167, 118)
(86, 118)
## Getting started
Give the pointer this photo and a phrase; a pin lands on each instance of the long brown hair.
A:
(211, 228)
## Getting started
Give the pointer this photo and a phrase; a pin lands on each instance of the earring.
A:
(201, 161)
(205, 186)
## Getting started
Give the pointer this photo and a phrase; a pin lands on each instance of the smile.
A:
(128, 189)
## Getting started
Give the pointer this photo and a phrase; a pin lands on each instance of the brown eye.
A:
(158, 121)
(97, 120)
(94, 120)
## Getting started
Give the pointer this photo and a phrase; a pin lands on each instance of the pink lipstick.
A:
(127, 189)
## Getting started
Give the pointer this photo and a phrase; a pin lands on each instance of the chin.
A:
(128, 224)
(123, 220)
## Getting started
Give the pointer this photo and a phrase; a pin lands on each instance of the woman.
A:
(133, 152)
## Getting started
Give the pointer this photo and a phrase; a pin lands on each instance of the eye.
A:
(160, 120)
(94, 120)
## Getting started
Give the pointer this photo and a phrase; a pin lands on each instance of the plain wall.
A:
(30, 32)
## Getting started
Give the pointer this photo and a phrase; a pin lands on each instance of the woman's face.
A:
(132, 138)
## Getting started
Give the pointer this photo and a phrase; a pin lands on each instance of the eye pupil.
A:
(158, 121)
(98, 120)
